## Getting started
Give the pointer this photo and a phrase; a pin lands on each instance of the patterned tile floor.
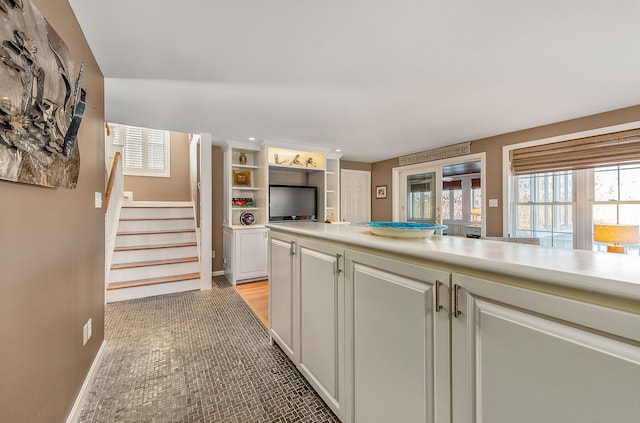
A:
(196, 357)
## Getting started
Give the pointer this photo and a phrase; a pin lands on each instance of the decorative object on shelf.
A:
(242, 202)
(381, 191)
(243, 158)
(616, 234)
(285, 157)
(247, 218)
(242, 177)
(403, 229)
(42, 103)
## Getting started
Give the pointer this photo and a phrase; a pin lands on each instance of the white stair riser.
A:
(154, 225)
(155, 212)
(133, 256)
(135, 273)
(151, 290)
(155, 239)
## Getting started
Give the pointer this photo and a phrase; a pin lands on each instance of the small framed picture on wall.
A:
(381, 191)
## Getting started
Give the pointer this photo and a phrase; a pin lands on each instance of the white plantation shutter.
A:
(133, 146)
(145, 151)
(155, 149)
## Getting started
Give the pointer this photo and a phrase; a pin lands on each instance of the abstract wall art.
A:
(41, 101)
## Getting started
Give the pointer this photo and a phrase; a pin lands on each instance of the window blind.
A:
(145, 152)
(133, 147)
(447, 185)
(155, 149)
(618, 148)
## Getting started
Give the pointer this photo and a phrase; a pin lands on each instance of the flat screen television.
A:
(292, 202)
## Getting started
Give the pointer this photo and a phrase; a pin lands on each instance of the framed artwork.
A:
(41, 101)
(381, 191)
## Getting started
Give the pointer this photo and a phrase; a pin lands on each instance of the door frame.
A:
(399, 182)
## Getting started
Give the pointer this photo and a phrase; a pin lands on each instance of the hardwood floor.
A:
(256, 295)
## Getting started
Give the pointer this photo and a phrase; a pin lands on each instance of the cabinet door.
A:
(397, 335)
(251, 249)
(321, 353)
(281, 286)
(529, 357)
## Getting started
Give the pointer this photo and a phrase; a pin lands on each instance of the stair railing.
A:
(113, 200)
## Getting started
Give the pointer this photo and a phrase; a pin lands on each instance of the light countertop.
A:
(611, 274)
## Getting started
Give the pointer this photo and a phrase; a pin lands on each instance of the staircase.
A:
(155, 251)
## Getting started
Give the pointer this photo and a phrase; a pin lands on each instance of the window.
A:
(546, 205)
(420, 200)
(616, 199)
(145, 152)
(543, 208)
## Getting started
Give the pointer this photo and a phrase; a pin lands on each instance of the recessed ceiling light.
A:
(338, 150)
(252, 139)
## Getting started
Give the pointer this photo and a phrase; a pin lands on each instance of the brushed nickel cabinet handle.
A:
(438, 306)
(292, 248)
(338, 270)
(456, 310)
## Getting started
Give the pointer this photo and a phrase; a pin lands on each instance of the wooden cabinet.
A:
(321, 357)
(246, 252)
(397, 332)
(282, 284)
(524, 356)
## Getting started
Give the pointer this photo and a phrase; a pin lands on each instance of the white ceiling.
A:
(375, 78)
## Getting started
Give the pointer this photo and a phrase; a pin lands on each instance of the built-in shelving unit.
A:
(332, 188)
(245, 187)
(249, 169)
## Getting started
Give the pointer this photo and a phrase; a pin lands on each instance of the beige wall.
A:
(493, 147)
(52, 261)
(174, 188)
(345, 164)
(382, 171)
(381, 174)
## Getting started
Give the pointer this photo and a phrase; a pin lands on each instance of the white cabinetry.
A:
(320, 356)
(332, 192)
(245, 186)
(397, 320)
(282, 284)
(523, 356)
(246, 251)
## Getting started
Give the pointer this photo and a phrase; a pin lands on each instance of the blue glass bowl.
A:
(404, 229)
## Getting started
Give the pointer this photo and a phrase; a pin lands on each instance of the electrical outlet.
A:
(97, 200)
(86, 332)
(213, 254)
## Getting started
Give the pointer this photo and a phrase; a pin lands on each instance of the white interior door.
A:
(355, 196)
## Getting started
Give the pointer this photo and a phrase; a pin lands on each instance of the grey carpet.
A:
(196, 357)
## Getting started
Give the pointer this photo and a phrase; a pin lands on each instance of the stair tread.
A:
(154, 247)
(170, 231)
(136, 219)
(154, 263)
(153, 281)
(157, 207)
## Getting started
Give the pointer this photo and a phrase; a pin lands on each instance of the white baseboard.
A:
(217, 273)
(74, 414)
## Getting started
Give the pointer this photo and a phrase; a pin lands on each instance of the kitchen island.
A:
(448, 329)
